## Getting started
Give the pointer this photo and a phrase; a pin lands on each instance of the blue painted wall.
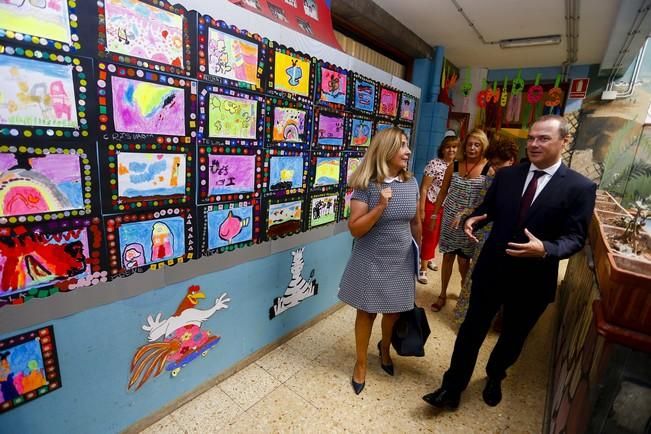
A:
(433, 115)
(95, 347)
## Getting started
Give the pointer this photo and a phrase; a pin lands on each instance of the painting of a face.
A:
(138, 29)
(36, 93)
(148, 108)
(289, 125)
(159, 240)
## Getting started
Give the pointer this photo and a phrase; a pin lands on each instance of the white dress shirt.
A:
(542, 180)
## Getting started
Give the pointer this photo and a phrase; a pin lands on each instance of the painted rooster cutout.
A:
(176, 341)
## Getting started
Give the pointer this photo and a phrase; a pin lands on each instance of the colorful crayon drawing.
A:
(382, 126)
(310, 8)
(138, 29)
(331, 130)
(37, 184)
(151, 241)
(407, 107)
(34, 259)
(351, 167)
(388, 102)
(361, 132)
(285, 173)
(364, 95)
(232, 58)
(289, 125)
(323, 210)
(291, 74)
(229, 226)
(36, 93)
(347, 197)
(229, 174)
(327, 171)
(175, 341)
(45, 19)
(150, 175)
(284, 218)
(232, 117)
(148, 108)
(333, 86)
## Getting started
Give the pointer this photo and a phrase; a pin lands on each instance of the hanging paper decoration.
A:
(482, 96)
(493, 95)
(505, 92)
(466, 87)
(534, 95)
(448, 83)
(554, 96)
(515, 103)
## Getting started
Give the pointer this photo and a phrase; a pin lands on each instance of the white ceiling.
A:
(438, 22)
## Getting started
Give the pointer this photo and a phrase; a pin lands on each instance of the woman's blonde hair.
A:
(375, 164)
(477, 134)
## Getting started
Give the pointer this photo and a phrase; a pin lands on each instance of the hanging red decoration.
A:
(555, 94)
(535, 94)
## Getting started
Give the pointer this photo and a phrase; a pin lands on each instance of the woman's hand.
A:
(432, 221)
(385, 196)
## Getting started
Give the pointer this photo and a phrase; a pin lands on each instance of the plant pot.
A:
(604, 196)
(624, 282)
(609, 206)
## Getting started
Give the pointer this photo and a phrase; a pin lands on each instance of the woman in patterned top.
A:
(429, 190)
(381, 274)
(463, 182)
(501, 153)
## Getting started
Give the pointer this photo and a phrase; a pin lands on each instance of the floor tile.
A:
(249, 385)
(282, 363)
(208, 412)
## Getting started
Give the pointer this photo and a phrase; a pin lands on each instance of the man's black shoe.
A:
(492, 393)
(443, 398)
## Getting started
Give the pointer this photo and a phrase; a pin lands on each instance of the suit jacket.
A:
(559, 216)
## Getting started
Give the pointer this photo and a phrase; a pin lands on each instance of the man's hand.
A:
(468, 227)
(532, 249)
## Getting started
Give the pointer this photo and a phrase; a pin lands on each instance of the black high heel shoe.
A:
(387, 368)
(357, 387)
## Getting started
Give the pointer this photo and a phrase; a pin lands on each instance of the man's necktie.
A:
(527, 197)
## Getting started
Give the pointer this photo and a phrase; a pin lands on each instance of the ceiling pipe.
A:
(572, 8)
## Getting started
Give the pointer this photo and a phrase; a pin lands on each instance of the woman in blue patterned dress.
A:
(381, 274)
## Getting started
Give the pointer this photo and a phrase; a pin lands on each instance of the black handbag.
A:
(410, 333)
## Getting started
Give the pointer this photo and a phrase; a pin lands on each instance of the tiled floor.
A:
(304, 385)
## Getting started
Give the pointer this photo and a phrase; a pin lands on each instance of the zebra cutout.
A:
(298, 289)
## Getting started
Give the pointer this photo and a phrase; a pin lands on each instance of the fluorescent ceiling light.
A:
(530, 42)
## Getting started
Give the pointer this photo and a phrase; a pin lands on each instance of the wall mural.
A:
(175, 341)
(298, 288)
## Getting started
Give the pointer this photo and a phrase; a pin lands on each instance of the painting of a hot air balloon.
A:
(229, 226)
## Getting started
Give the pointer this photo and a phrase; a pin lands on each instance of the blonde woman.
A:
(463, 182)
(381, 274)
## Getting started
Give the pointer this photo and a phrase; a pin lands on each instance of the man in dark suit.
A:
(540, 213)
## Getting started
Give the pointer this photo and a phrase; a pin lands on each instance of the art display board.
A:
(360, 131)
(229, 173)
(363, 93)
(344, 204)
(325, 170)
(350, 163)
(331, 86)
(288, 124)
(291, 73)
(388, 103)
(229, 117)
(146, 175)
(227, 226)
(283, 216)
(323, 208)
(30, 367)
(407, 107)
(231, 57)
(330, 129)
(43, 94)
(285, 172)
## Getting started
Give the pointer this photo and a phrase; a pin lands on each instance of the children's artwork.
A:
(41, 183)
(352, 163)
(286, 172)
(364, 92)
(29, 367)
(388, 102)
(346, 210)
(150, 175)
(382, 126)
(38, 261)
(289, 125)
(232, 58)
(39, 18)
(151, 241)
(229, 226)
(361, 133)
(407, 131)
(175, 341)
(149, 108)
(230, 174)
(35, 93)
(333, 85)
(278, 13)
(407, 107)
(139, 29)
(310, 8)
(284, 218)
(327, 171)
(291, 74)
(298, 288)
(323, 209)
(330, 129)
(232, 117)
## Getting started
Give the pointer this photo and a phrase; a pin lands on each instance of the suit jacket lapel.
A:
(547, 192)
